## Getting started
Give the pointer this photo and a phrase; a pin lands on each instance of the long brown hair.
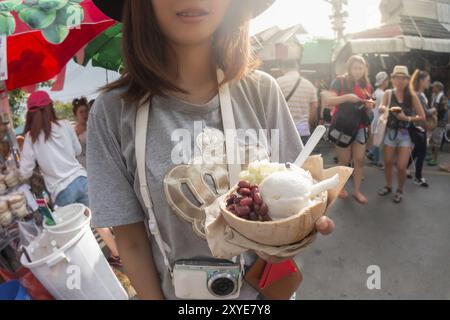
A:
(364, 81)
(418, 76)
(40, 121)
(79, 102)
(145, 52)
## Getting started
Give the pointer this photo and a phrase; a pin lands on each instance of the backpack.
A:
(346, 122)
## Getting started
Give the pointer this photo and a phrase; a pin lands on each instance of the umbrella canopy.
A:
(105, 51)
(45, 35)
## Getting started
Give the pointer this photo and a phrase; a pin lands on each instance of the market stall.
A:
(40, 243)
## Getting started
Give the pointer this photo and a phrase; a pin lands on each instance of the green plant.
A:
(16, 100)
(64, 110)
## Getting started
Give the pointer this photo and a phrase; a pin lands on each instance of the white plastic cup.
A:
(68, 218)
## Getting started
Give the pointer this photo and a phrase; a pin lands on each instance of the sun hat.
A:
(401, 71)
(113, 9)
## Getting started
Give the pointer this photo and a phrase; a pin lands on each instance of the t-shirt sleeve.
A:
(336, 86)
(112, 198)
(287, 146)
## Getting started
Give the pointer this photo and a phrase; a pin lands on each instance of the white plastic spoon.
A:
(310, 145)
(324, 185)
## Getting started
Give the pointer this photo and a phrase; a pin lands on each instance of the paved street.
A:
(410, 242)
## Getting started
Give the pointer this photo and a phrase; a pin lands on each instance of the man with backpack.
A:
(301, 96)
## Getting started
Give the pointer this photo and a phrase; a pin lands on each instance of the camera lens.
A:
(222, 285)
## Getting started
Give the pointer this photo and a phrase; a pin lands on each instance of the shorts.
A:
(398, 138)
(76, 192)
(437, 136)
(361, 136)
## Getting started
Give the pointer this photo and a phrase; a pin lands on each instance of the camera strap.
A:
(232, 154)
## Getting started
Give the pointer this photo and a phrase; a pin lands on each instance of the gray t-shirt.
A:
(115, 198)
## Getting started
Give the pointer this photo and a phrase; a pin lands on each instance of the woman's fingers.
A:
(325, 225)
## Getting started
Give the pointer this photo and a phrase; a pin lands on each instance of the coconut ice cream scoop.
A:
(286, 193)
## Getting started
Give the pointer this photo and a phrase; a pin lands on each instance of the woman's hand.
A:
(324, 226)
(382, 109)
(370, 104)
(401, 116)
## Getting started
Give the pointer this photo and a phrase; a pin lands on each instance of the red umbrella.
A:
(32, 59)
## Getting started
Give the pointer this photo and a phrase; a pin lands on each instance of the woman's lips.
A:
(193, 15)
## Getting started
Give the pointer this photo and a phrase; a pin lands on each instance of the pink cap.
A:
(38, 100)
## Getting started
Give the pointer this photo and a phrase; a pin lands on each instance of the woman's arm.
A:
(136, 254)
(384, 104)
(313, 109)
(333, 100)
(27, 159)
(420, 113)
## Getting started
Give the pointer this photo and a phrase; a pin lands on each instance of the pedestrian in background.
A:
(405, 111)
(351, 96)
(440, 103)
(420, 82)
(382, 83)
(301, 97)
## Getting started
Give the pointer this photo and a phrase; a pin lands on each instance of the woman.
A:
(53, 144)
(405, 111)
(420, 82)
(348, 93)
(173, 51)
(80, 108)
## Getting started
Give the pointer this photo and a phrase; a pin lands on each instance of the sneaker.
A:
(432, 163)
(421, 183)
(408, 175)
(115, 261)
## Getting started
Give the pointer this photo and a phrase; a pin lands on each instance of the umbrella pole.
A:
(6, 118)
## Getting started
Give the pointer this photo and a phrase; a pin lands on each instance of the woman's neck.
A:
(80, 127)
(192, 68)
(399, 92)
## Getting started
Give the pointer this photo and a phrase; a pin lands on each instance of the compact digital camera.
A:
(209, 280)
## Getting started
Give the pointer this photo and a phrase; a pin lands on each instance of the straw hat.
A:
(401, 71)
(113, 9)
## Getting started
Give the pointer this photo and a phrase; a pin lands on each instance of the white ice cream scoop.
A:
(288, 192)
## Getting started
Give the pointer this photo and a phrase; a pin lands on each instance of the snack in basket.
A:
(280, 193)
(21, 212)
(294, 199)
(247, 203)
(6, 218)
